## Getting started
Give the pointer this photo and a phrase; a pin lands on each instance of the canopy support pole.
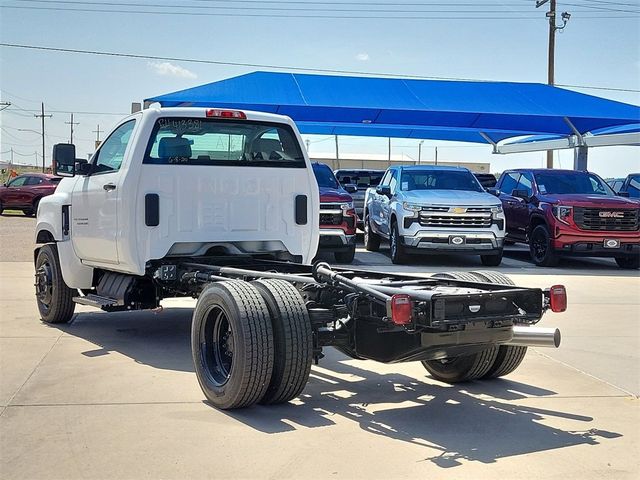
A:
(576, 132)
(489, 140)
(580, 157)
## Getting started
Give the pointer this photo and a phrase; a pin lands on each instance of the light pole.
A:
(553, 27)
(420, 150)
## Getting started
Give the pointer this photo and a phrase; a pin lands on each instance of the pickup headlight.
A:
(495, 211)
(412, 207)
(346, 206)
(562, 213)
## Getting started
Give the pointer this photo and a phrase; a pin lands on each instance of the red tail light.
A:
(226, 114)
(558, 298)
(401, 309)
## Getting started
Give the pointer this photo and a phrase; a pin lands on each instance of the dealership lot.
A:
(115, 395)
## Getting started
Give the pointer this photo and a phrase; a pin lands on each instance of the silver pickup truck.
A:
(431, 209)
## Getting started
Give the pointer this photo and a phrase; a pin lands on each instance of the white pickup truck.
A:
(434, 209)
(223, 206)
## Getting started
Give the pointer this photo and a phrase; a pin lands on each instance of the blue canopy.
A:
(483, 112)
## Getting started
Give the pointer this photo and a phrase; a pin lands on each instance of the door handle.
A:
(109, 186)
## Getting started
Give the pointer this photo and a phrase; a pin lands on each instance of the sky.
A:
(503, 40)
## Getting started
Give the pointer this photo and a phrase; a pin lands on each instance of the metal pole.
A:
(72, 123)
(420, 151)
(389, 150)
(42, 117)
(436, 159)
(337, 150)
(552, 60)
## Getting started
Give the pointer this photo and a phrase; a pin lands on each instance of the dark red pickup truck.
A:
(25, 191)
(567, 212)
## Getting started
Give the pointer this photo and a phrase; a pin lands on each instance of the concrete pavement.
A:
(115, 396)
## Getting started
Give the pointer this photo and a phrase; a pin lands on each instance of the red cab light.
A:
(401, 309)
(558, 298)
(213, 112)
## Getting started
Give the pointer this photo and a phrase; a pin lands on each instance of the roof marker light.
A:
(213, 112)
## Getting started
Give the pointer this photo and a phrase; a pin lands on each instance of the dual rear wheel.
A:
(251, 343)
(491, 362)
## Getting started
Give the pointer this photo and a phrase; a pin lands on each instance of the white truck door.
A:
(94, 210)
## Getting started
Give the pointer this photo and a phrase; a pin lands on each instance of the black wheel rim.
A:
(539, 246)
(217, 346)
(44, 284)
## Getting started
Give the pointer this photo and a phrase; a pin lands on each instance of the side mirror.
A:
(493, 191)
(386, 190)
(623, 194)
(351, 188)
(520, 194)
(64, 159)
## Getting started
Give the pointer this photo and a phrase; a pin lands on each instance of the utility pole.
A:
(420, 150)
(97, 132)
(72, 123)
(389, 151)
(337, 150)
(42, 116)
(551, 15)
(436, 157)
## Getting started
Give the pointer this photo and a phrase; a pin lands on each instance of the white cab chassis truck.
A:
(222, 205)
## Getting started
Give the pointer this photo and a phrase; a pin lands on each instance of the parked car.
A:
(630, 186)
(337, 216)
(487, 180)
(25, 191)
(359, 179)
(433, 209)
(567, 212)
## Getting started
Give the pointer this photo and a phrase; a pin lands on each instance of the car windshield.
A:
(197, 141)
(633, 188)
(360, 179)
(439, 180)
(324, 176)
(580, 183)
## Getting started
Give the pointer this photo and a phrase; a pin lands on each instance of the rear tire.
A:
(232, 344)
(371, 239)
(293, 340)
(541, 249)
(345, 257)
(398, 254)
(509, 356)
(53, 296)
(463, 276)
(491, 260)
(630, 263)
(462, 368)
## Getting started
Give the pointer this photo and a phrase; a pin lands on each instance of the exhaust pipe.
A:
(535, 337)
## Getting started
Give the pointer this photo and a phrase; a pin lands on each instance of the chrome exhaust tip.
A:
(535, 337)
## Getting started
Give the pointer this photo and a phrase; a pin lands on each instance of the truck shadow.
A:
(479, 421)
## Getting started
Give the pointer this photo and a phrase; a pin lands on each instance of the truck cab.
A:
(194, 182)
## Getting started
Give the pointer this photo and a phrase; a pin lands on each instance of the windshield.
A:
(580, 183)
(197, 141)
(362, 180)
(439, 180)
(324, 176)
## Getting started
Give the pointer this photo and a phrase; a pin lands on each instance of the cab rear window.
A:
(198, 141)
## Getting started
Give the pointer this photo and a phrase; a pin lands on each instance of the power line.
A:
(261, 65)
(479, 16)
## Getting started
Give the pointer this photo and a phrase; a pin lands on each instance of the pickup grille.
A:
(601, 219)
(330, 214)
(442, 217)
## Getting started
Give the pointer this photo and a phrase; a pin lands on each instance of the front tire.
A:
(398, 254)
(293, 340)
(232, 344)
(371, 239)
(492, 260)
(53, 296)
(345, 257)
(541, 249)
(630, 263)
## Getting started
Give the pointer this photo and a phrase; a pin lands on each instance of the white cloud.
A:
(363, 57)
(169, 69)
